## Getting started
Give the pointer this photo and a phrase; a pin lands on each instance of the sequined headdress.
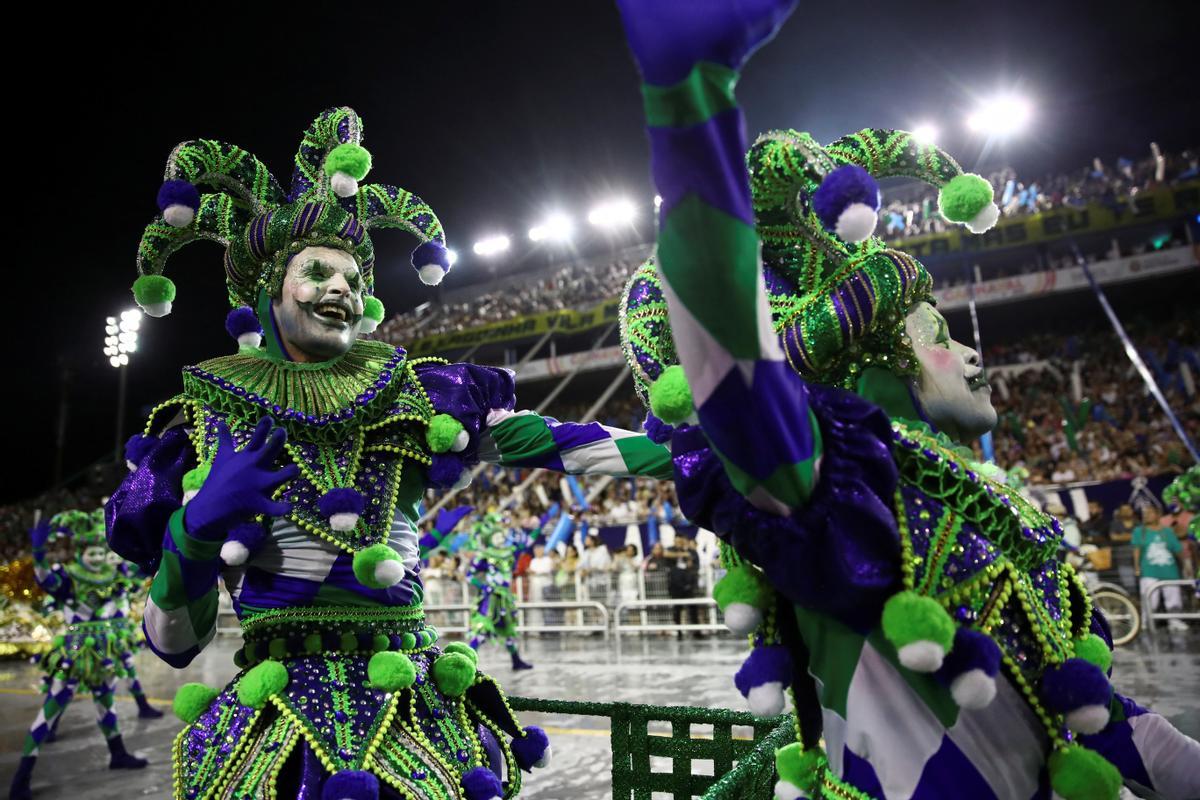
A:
(261, 226)
(838, 294)
(85, 529)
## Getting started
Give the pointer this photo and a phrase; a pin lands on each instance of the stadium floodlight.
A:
(555, 228)
(925, 133)
(121, 337)
(657, 202)
(451, 257)
(1001, 116)
(612, 213)
(492, 245)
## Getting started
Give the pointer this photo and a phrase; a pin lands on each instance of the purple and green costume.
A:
(344, 688)
(912, 607)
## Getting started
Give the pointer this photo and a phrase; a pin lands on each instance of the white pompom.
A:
(132, 466)
(234, 553)
(250, 339)
(922, 656)
(742, 618)
(1088, 719)
(431, 274)
(464, 480)
(973, 689)
(157, 309)
(788, 791)
(178, 215)
(544, 761)
(343, 185)
(460, 442)
(189, 494)
(766, 700)
(856, 222)
(344, 521)
(367, 325)
(389, 572)
(985, 219)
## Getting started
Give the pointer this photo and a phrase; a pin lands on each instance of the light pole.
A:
(120, 340)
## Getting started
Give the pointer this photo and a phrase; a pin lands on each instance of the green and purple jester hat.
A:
(219, 192)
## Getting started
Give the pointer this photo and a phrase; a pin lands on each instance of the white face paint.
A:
(951, 389)
(94, 557)
(320, 305)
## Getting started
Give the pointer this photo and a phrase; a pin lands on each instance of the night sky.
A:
(493, 113)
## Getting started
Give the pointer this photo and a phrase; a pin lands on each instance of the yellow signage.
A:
(565, 321)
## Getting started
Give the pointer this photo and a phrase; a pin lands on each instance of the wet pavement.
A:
(1162, 672)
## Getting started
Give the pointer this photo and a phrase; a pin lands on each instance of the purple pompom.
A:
(444, 471)
(769, 664)
(1074, 684)
(971, 650)
(340, 501)
(529, 749)
(841, 188)
(242, 320)
(657, 431)
(431, 252)
(482, 784)
(351, 784)
(137, 447)
(178, 193)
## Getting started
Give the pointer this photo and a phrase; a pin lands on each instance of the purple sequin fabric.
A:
(840, 553)
(468, 392)
(138, 511)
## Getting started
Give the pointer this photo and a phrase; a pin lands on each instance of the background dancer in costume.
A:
(88, 653)
(913, 606)
(294, 469)
(496, 549)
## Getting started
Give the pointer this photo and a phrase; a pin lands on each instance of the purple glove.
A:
(40, 535)
(240, 483)
(668, 37)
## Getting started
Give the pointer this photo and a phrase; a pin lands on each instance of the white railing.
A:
(565, 616)
(678, 607)
(1149, 601)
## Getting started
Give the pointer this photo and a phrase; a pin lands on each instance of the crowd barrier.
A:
(1150, 602)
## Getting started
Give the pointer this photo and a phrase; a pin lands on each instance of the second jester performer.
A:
(913, 606)
(293, 468)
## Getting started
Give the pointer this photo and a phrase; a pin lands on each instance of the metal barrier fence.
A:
(1150, 601)
(703, 606)
(643, 737)
(568, 617)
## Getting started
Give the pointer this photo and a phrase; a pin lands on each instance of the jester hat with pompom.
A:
(838, 294)
(85, 529)
(222, 193)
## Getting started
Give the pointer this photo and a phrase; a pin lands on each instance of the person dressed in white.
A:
(594, 566)
(541, 580)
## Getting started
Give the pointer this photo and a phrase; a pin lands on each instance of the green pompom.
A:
(1091, 648)
(380, 642)
(57, 641)
(408, 641)
(442, 431)
(373, 308)
(963, 197)
(150, 290)
(352, 159)
(391, 671)
(366, 560)
(798, 766)
(260, 682)
(743, 584)
(671, 397)
(278, 649)
(1077, 773)
(192, 700)
(463, 648)
(909, 617)
(349, 643)
(454, 673)
(193, 479)
(89, 641)
(313, 643)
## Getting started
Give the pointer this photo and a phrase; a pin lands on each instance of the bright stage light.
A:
(132, 315)
(110, 320)
(491, 245)
(111, 330)
(610, 214)
(114, 360)
(556, 228)
(657, 202)
(925, 134)
(1001, 116)
(451, 257)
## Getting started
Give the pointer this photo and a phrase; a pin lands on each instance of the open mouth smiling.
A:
(332, 312)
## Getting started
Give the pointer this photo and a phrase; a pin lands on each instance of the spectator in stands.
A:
(683, 578)
(626, 565)
(594, 567)
(1156, 551)
(1094, 528)
(541, 581)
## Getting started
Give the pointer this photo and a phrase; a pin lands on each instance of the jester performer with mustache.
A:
(292, 471)
(817, 408)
